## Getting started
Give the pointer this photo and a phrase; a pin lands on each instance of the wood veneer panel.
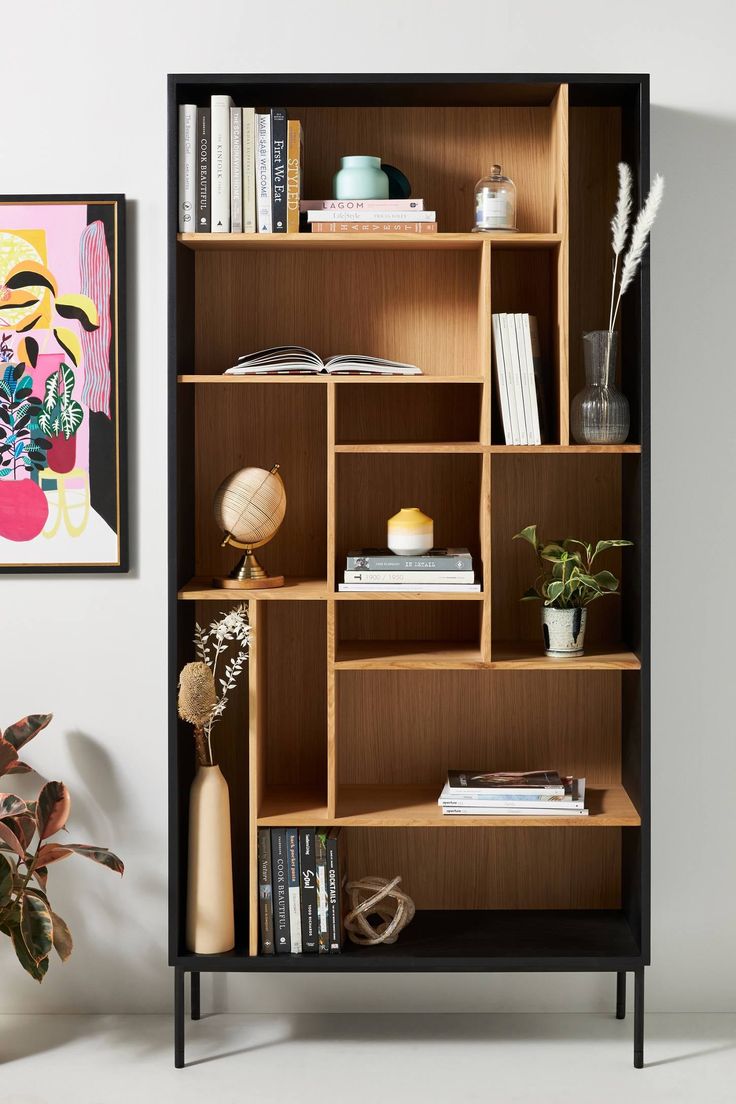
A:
(443, 152)
(493, 868)
(411, 727)
(564, 495)
(408, 414)
(425, 620)
(415, 307)
(258, 426)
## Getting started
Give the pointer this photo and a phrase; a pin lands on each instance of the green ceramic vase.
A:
(360, 178)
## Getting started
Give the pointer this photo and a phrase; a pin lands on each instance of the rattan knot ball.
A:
(377, 897)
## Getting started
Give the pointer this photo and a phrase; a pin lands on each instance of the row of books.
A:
(301, 875)
(240, 170)
(368, 216)
(519, 378)
(512, 793)
(437, 571)
(296, 360)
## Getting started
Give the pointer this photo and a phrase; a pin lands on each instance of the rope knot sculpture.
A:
(377, 897)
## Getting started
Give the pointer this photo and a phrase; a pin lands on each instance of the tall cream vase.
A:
(210, 917)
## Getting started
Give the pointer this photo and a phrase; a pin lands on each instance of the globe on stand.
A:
(249, 507)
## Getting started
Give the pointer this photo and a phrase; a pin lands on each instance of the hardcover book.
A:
(187, 190)
(320, 851)
(572, 798)
(532, 782)
(292, 879)
(202, 214)
(374, 227)
(294, 174)
(366, 215)
(401, 578)
(220, 162)
(263, 173)
(249, 171)
(296, 360)
(397, 588)
(236, 170)
(383, 559)
(335, 880)
(279, 861)
(361, 205)
(265, 897)
(278, 170)
(308, 885)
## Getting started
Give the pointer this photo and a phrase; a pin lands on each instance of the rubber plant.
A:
(27, 850)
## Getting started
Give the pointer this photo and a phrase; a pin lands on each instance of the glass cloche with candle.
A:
(495, 202)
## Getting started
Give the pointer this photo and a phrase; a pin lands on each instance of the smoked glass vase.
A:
(599, 414)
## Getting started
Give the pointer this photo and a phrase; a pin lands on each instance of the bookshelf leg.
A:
(178, 1018)
(621, 995)
(639, 1018)
(194, 995)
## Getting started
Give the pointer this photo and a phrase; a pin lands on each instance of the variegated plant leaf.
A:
(53, 807)
(36, 926)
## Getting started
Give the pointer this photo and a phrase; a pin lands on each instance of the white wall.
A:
(84, 110)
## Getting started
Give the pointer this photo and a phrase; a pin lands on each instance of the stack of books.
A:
(240, 170)
(296, 360)
(437, 571)
(519, 378)
(368, 216)
(512, 793)
(301, 879)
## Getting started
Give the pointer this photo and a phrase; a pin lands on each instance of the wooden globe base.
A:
(249, 584)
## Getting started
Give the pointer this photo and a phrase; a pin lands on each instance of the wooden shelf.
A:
(528, 656)
(414, 655)
(439, 240)
(561, 450)
(408, 596)
(324, 377)
(388, 806)
(415, 446)
(293, 590)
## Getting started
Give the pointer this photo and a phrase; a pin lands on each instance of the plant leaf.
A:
(24, 827)
(31, 274)
(41, 875)
(529, 533)
(37, 970)
(22, 731)
(555, 553)
(79, 308)
(530, 595)
(11, 806)
(8, 755)
(62, 937)
(19, 767)
(554, 590)
(604, 545)
(36, 926)
(69, 343)
(52, 813)
(10, 839)
(52, 852)
(6, 879)
(606, 580)
(97, 854)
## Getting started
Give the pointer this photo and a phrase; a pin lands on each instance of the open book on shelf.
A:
(297, 360)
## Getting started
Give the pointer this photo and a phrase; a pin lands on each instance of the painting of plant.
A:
(62, 391)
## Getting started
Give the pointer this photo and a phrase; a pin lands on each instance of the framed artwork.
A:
(63, 475)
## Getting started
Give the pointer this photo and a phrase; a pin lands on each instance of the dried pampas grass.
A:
(639, 235)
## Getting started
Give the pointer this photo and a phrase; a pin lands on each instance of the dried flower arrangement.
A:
(639, 235)
(225, 640)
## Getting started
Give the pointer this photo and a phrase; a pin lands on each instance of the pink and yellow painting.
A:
(62, 474)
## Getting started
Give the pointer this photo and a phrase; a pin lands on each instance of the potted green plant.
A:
(60, 418)
(23, 448)
(566, 585)
(26, 853)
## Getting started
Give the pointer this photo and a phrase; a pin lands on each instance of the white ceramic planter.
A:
(410, 532)
(564, 631)
(210, 915)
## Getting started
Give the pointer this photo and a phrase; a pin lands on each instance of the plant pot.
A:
(564, 631)
(62, 454)
(210, 916)
(24, 509)
(410, 532)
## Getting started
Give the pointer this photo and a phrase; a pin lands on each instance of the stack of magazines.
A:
(368, 216)
(512, 793)
(440, 570)
(295, 360)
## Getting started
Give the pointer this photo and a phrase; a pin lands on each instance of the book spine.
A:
(530, 389)
(514, 812)
(292, 877)
(265, 893)
(530, 805)
(263, 172)
(361, 205)
(236, 170)
(358, 562)
(249, 170)
(187, 167)
(334, 893)
(220, 174)
(308, 885)
(536, 355)
(502, 387)
(278, 170)
(320, 852)
(403, 577)
(374, 227)
(517, 340)
(282, 937)
(294, 170)
(371, 216)
(516, 415)
(202, 214)
(424, 588)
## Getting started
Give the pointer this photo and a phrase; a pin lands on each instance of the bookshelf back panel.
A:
(411, 727)
(295, 735)
(565, 496)
(442, 152)
(424, 620)
(487, 868)
(257, 426)
(443, 412)
(371, 488)
(418, 307)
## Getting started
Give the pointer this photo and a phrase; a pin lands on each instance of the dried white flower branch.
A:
(639, 238)
(214, 642)
(620, 226)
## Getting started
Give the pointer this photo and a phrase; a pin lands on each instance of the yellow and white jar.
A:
(410, 532)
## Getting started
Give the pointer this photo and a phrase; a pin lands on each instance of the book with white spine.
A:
(516, 410)
(220, 163)
(526, 345)
(561, 811)
(405, 577)
(367, 215)
(402, 588)
(361, 204)
(263, 172)
(236, 170)
(187, 166)
(521, 322)
(292, 881)
(501, 382)
(249, 170)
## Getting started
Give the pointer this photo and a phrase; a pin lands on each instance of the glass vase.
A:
(600, 412)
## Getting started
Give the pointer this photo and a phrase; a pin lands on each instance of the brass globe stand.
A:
(250, 513)
(247, 573)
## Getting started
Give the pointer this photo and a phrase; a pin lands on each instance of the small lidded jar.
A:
(495, 202)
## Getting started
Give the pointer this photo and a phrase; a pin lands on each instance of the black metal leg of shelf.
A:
(639, 1018)
(178, 1017)
(621, 995)
(194, 995)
